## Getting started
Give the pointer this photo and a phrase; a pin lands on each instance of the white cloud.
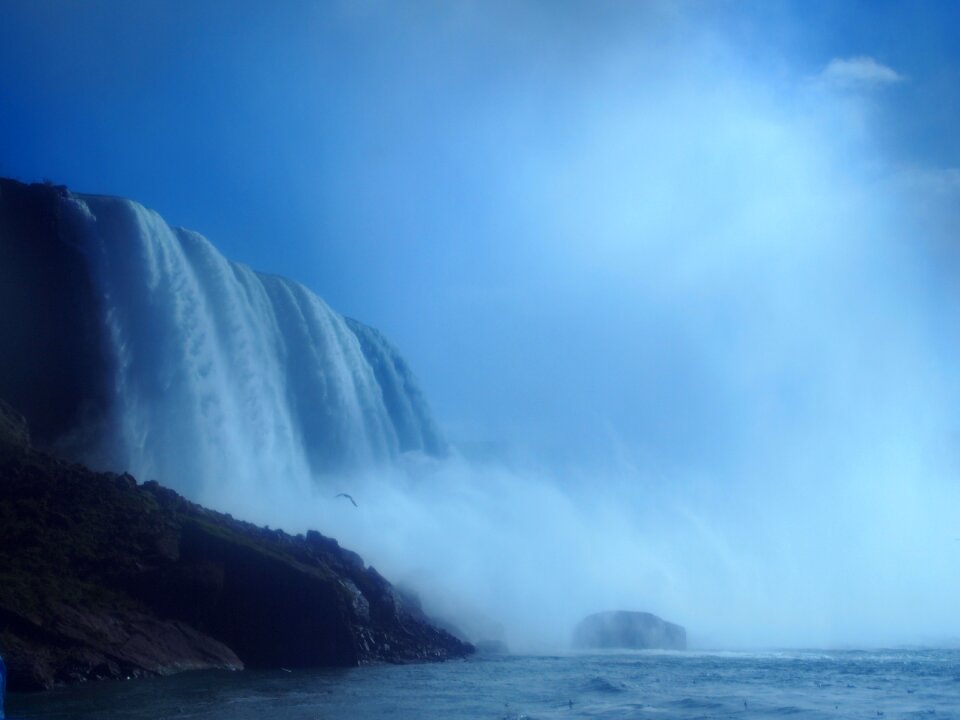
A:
(861, 70)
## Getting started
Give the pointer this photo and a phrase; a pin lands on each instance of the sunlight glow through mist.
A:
(684, 305)
(716, 305)
(719, 264)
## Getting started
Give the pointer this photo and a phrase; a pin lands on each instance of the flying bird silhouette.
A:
(348, 497)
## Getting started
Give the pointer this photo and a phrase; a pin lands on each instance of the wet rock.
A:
(14, 434)
(101, 577)
(631, 630)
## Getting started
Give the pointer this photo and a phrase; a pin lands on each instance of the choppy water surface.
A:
(849, 684)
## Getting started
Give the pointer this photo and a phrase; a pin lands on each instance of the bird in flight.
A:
(348, 497)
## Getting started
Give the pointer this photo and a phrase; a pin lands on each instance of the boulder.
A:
(630, 630)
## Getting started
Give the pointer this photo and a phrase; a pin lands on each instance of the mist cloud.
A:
(685, 307)
(695, 342)
(720, 330)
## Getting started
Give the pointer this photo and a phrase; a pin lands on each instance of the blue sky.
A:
(482, 180)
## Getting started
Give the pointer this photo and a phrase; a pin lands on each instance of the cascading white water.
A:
(227, 381)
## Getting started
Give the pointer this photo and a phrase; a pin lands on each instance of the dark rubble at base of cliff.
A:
(102, 577)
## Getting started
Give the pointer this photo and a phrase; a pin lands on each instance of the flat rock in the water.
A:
(630, 630)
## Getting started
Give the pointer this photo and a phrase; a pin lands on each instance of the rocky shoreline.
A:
(102, 577)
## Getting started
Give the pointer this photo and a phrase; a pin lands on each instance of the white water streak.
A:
(226, 382)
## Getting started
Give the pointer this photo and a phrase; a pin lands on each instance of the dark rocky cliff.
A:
(102, 577)
(53, 365)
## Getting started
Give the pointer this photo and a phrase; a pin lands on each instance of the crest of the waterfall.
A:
(227, 381)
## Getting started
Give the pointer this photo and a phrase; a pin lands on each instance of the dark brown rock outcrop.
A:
(103, 578)
(628, 630)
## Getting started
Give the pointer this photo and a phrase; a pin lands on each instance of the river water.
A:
(798, 684)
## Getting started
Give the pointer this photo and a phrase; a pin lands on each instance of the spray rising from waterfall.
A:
(825, 523)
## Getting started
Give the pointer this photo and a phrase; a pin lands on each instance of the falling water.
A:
(227, 381)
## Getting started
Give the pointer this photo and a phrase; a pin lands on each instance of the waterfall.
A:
(224, 380)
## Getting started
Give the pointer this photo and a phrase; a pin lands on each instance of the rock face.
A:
(52, 366)
(103, 578)
(14, 433)
(415, 427)
(632, 630)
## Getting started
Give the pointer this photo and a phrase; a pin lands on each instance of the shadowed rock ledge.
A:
(101, 577)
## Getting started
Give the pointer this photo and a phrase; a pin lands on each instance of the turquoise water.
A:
(848, 684)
